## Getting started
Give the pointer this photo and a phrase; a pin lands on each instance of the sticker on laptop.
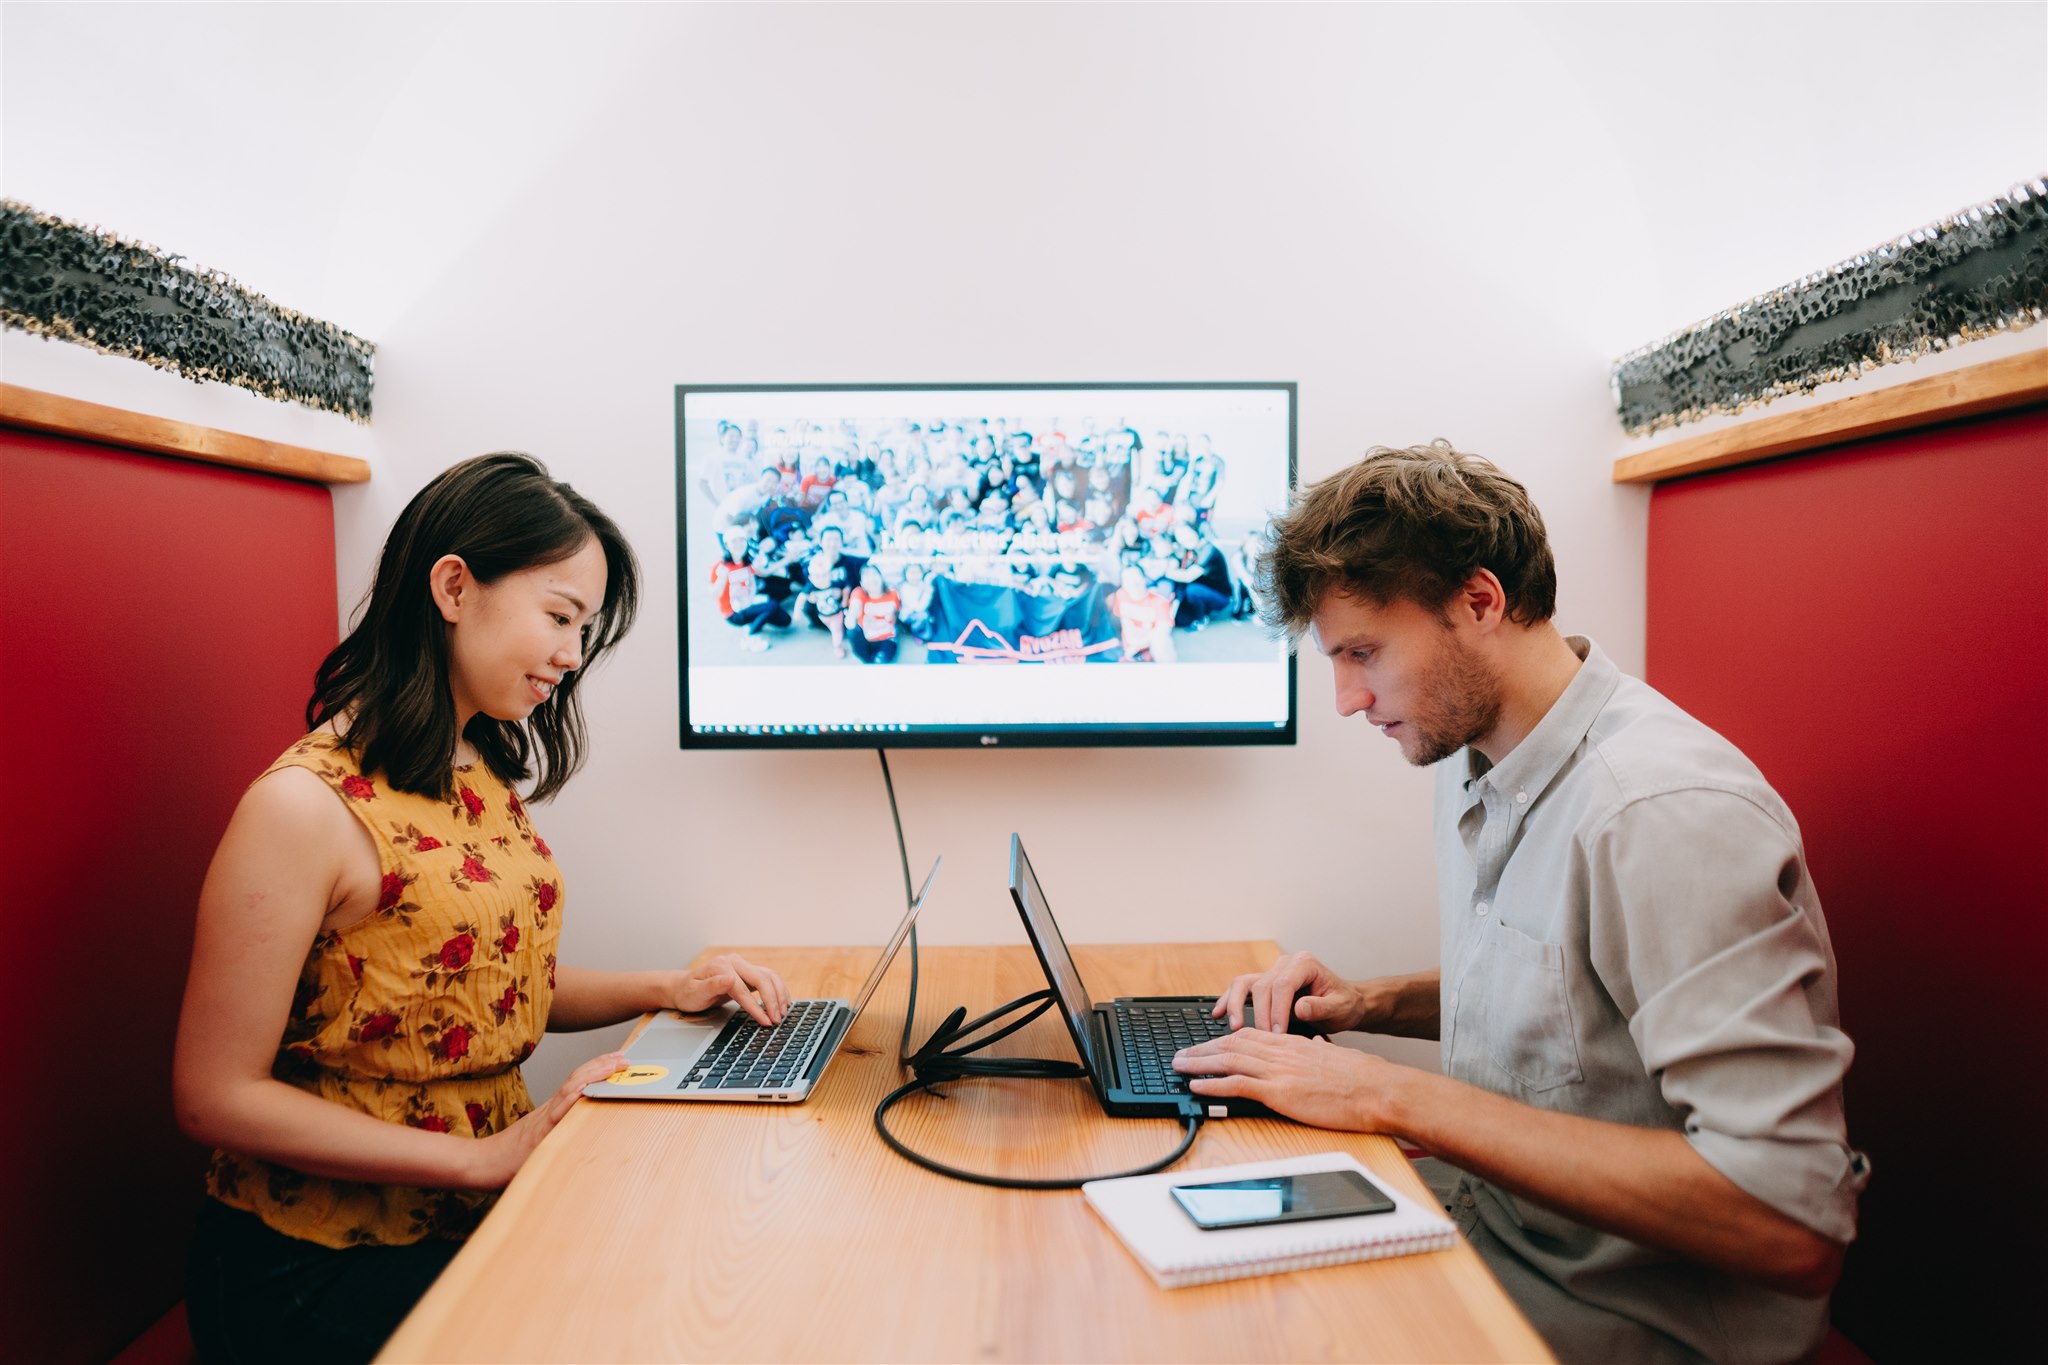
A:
(637, 1075)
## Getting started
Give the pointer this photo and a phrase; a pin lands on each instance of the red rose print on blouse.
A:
(358, 788)
(299, 1052)
(355, 966)
(455, 952)
(453, 1045)
(433, 1123)
(392, 891)
(510, 942)
(378, 1026)
(551, 971)
(473, 869)
(478, 1116)
(506, 1005)
(473, 805)
(427, 844)
(545, 895)
(540, 846)
(524, 1053)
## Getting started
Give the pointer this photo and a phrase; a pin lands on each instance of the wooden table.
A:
(643, 1231)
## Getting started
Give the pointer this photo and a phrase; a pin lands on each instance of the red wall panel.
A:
(1871, 627)
(163, 620)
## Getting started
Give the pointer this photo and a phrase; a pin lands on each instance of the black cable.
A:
(909, 898)
(945, 1057)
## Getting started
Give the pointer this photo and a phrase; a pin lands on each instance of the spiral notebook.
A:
(1176, 1253)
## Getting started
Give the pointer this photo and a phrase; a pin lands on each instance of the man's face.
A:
(1410, 673)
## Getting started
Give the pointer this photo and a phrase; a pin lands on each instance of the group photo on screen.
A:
(967, 541)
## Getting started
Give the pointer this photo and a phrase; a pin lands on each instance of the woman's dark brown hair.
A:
(388, 680)
(1407, 525)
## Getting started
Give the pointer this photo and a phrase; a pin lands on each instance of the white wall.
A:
(1440, 221)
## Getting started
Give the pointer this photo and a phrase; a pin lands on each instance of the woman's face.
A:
(511, 643)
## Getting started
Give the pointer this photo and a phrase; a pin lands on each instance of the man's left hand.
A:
(1310, 1079)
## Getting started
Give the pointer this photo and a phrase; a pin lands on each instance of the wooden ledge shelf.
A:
(39, 411)
(2011, 382)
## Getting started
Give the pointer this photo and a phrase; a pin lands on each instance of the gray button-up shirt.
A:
(1630, 934)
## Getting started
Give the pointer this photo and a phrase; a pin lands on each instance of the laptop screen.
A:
(881, 968)
(1060, 971)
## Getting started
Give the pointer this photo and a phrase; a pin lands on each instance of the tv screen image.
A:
(916, 565)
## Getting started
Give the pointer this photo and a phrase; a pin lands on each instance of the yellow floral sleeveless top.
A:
(421, 1013)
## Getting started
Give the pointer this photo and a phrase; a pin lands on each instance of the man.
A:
(1202, 570)
(744, 503)
(829, 575)
(1640, 1107)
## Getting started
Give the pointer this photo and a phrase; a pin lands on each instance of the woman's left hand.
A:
(757, 990)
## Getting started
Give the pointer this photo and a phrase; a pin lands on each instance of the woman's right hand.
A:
(499, 1156)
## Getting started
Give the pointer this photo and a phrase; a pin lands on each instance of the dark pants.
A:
(760, 615)
(872, 651)
(1198, 601)
(255, 1295)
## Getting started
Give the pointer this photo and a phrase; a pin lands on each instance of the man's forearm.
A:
(1646, 1184)
(1403, 1006)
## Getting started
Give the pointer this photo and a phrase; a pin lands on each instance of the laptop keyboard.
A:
(748, 1056)
(1153, 1033)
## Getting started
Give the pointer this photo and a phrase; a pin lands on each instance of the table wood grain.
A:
(738, 1232)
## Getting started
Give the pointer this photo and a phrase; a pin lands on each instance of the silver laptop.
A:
(725, 1055)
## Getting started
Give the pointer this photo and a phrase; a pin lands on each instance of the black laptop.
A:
(1126, 1044)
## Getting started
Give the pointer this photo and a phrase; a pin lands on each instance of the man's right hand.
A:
(1328, 1003)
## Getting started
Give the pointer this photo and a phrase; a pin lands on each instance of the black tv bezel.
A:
(1077, 736)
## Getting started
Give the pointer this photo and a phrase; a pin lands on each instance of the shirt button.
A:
(1521, 798)
(1479, 909)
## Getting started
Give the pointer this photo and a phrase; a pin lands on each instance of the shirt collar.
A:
(1531, 765)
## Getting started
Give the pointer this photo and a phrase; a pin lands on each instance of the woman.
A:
(375, 951)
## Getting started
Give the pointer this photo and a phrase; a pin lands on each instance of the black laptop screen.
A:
(1052, 954)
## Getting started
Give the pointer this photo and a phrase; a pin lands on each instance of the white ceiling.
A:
(337, 157)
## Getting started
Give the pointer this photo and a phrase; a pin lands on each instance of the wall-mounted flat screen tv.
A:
(899, 565)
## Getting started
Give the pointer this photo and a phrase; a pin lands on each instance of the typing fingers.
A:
(736, 989)
(1244, 1053)
(1227, 1086)
(772, 989)
(1273, 999)
(764, 982)
(1231, 1002)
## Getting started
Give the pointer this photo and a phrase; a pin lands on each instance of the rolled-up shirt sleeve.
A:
(1704, 930)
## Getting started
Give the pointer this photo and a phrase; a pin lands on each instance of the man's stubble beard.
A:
(1464, 704)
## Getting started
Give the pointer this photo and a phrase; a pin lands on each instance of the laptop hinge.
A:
(1106, 1052)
